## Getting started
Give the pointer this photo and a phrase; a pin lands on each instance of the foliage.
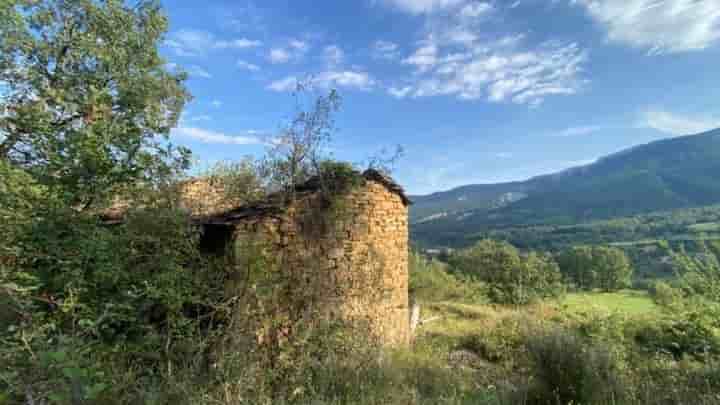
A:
(239, 181)
(511, 278)
(301, 147)
(429, 281)
(568, 371)
(83, 291)
(699, 274)
(694, 332)
(665, 294)
(601, 267)
(87, 101)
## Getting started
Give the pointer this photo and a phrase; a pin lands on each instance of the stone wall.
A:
(354, 253)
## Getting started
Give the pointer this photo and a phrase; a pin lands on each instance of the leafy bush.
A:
(694, 333)
(699, 274)
(504, 343)
(429, 281)
(568, 371)
(665, 294)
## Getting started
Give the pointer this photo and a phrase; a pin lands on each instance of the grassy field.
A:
(453, 320)
(629, 301)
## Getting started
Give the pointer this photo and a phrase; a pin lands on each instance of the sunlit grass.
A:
(630, 302)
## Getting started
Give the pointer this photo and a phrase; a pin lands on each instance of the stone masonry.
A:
(355, 252)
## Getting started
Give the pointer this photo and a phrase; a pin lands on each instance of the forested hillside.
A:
(663, 175)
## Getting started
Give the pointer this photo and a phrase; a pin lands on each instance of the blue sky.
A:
(475, 91)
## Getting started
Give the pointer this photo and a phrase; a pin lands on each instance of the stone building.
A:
(352, 250)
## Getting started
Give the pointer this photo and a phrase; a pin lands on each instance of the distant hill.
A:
(663, 175)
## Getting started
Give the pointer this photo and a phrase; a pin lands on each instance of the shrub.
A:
(430, 282)
(503, 343)
(665, 382)
(694, 333)
(664, 294)
(568, 371)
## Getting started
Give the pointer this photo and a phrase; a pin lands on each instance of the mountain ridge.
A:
(671, 173)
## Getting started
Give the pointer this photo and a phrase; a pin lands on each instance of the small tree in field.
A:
(589, 267)
(613, 268)
(511, 278)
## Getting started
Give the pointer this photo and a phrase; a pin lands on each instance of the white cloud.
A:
(474, 10)
(577, 131)
(400, 92)
(208, 136)
(196, 118)
(247, 66)
(424, 58)
(294, 50)
(284, 85)
(676, 124)
(503, 155)
(385, 50)
(423, 6)
(499, 71)
(346, 79)
(299, 45)
(197, 71)
(279, 55)
(241, 43)
(333, 55)
(197, 42)
(462, 55)
(217, 103)
(660, 26)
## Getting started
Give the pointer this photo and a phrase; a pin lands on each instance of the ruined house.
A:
(353, 249)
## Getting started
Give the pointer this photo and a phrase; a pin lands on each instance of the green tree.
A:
(511, 278)
(613, 268)
(699, 273)
(576, 264)
(87, 102)
(601, 267)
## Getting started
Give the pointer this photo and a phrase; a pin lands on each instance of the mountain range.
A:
(668, 174)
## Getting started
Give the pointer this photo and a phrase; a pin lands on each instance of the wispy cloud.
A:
(216, 103)
(666, 26)
(677, 124)
(578, 131)
(197, 42)
(474, 10)
(213, 137)
(400, 92)
(348, 79)
(247, 66)
(197, 71)
(499, 71)
(294, 50)
(422, 6)
(385, 50)
(284, 85)
(333, 55)
(460, 56)
(503, 155)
